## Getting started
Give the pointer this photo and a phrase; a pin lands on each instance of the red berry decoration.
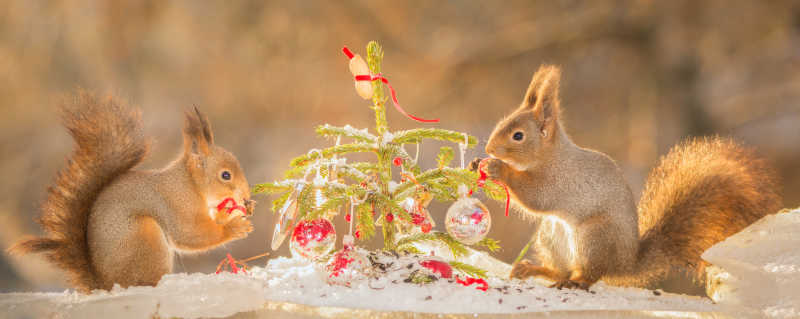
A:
(346, 266)
(389, 217)
(397, 161)
(468, 220)
(426, 228)
(312, 239)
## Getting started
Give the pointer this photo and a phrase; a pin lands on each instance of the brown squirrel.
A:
(108, 224)
(587, 227)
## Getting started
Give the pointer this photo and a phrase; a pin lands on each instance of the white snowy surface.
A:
(759, 267)
(297, 281)
(178, 295)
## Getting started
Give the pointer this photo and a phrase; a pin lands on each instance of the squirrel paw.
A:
(494, 168)
(571, 284)
(473, 166)
(238, 228)
(522, 269)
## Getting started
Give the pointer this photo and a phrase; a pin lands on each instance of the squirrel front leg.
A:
(202, 233)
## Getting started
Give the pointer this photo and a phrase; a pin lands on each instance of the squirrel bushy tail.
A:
(109, 142)
(703, 191)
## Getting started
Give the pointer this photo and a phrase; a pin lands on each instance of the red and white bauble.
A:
(347, 265)
(468, 220)
(312, 239)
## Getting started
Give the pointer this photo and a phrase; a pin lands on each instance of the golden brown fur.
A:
(703, 191)
(107, 224)
(586, 224)
(109, 142)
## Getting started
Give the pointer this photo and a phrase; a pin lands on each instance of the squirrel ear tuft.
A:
(209, 136)
(197, 136)
(542, 95)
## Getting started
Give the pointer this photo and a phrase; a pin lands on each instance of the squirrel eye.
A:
(518, 136)
(226, 175)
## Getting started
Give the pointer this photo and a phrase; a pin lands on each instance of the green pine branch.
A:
(491, 244)
(416, 135)
(346, 131)
(339, 149)
(271, 188)
(445, 156)
(373, 180)
(365, 222)
(374, 60)
(441, 175)
(468, 270)
(305, 202)
(456, 248)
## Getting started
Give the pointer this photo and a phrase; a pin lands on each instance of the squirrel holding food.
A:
(586, 224)
(107, 223)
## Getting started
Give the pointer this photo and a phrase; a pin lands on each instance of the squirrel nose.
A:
(490, 150)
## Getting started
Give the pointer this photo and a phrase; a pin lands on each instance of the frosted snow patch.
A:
(298, 281)
(759, 267)
(177, 295)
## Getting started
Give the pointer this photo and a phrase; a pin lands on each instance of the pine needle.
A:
(468, 269)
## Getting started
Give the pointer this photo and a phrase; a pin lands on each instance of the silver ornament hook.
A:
(462, 148)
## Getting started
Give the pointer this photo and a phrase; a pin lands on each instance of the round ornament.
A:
(347, 265)
(468, 220)
(312, 239)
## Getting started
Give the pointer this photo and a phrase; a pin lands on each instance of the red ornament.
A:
(347, 217)
(440, 267)
(426, 228)
(417, 218)
(358, 234)
(346, 266)
(313, 238)
(389, 217)
(397, 161)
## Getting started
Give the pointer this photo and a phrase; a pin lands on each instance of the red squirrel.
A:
(107, 223)
(586, 224)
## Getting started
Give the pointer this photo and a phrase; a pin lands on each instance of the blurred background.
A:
(638, 77)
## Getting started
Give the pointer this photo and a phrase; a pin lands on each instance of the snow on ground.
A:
(298, 281)
(759, 267)
(756, 273)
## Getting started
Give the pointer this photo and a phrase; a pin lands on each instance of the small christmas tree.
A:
(377, 199)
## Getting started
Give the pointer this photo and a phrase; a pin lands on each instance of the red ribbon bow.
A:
(482, 182)
(370, 77)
